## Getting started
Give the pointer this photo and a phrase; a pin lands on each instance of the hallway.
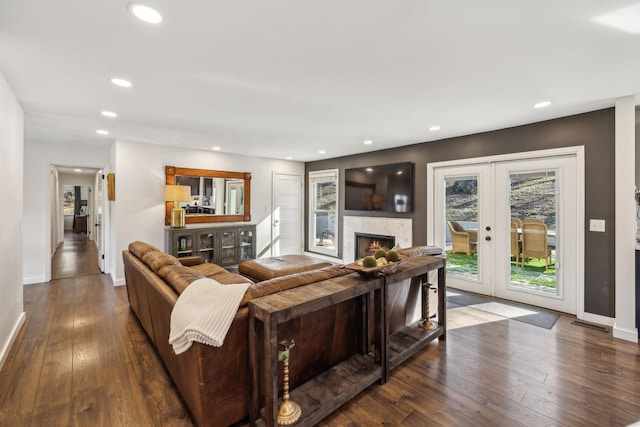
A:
(76, 256)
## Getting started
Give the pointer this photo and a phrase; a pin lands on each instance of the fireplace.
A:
(368, 244)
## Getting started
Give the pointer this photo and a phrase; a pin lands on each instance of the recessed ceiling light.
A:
(77, 170)
(145, 13)
(399, 173)
(121, 82)
(288, 157)
(434, 128)
(215, 148)
(542, 104)
(322, 152)
(625, 19)
(369, 169)
(102, 132)
(368, 142)
(109, 114)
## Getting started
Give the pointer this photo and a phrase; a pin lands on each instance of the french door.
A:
(483, 215)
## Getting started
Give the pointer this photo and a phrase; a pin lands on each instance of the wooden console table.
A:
(406, 342)
(322, 395)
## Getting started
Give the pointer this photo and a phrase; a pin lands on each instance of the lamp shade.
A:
(177, 193)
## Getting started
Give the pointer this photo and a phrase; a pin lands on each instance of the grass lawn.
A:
(533, 272)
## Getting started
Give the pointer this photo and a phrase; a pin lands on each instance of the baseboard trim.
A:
(625, 334)
(14, 333)
(33, 280)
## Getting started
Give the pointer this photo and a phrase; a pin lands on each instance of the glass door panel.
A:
(246, 244)
(206, 246)
(228, 241)
(533, 207)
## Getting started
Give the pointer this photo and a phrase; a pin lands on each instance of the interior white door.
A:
(286, 236)
(463, 198)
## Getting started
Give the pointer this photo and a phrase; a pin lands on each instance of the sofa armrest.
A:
(188, 261)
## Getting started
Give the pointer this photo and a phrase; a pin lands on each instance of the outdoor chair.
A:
(516, 246)
(518, 222)
(533, 221)
(464, 241)
(535, 242)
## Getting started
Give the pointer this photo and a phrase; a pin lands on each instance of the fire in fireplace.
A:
(368, 244)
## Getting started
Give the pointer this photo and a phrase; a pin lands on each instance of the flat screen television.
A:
(384, 188)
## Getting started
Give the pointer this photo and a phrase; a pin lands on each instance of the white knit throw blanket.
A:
(204, 312)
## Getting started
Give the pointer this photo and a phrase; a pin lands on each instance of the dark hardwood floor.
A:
(82, 359)
(76, 256)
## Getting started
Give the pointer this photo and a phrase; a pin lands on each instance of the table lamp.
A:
(177, 194)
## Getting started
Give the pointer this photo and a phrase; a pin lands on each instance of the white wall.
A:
(138, 211)
(38, 158)
(11, 174)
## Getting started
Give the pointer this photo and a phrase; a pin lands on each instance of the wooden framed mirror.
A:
(216, 196)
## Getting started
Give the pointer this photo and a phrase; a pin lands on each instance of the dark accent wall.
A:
(595, 131)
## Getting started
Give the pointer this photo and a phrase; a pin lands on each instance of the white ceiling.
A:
(291, 77)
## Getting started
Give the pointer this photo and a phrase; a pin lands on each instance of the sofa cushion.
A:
(140, 248)
(155, 260)
(208, 269)
(283, 283)
(269, 268)
(219, 274)
(179, 276)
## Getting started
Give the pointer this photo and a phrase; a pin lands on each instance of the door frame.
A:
(577, 151)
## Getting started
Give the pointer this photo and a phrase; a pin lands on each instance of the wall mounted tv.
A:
(384, 188)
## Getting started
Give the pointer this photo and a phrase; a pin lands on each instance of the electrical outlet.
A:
(596, 225)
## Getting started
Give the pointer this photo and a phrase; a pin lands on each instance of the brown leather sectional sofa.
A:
(214, 381)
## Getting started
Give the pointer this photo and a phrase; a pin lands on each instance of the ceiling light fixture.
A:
(322, 152)
(215, 148)
(145, 13)
(110, 114)
(288, 157)
(121, 82)
(369, 170)
(102, 132)
(77, 170)
(542, 104)
(434, 128)
(368, 142)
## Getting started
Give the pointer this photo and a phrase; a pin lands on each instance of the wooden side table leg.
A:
(426, 322)
(270, 372)
(442, 301)
(254, 371)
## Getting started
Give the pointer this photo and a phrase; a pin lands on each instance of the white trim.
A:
(119, 282)
(625, 334)
(625, 220)
(33, 280)
(596, 318)
(314, 176)
(12, 336)
(577, 151)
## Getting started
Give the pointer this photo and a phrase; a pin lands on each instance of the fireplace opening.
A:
(368, 244)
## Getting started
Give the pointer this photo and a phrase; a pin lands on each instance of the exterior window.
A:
(323, 212)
